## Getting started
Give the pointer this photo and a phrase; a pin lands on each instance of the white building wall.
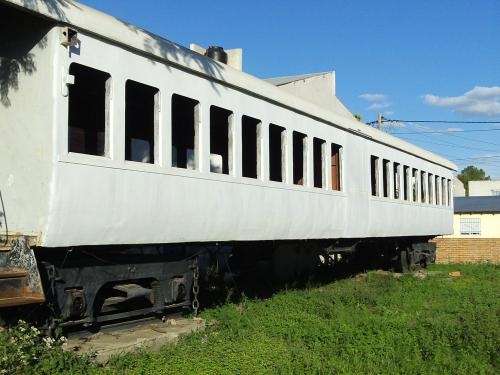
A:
(484, 188)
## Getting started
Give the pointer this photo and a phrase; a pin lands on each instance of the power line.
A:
(450, 131)
(450, 144)
(480, 157)
(443, 121)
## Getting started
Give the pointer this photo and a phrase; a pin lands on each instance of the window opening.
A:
(385, 177)
(141, 103)
(335, 166)
(318, 158)
(406, 177)
(430, 189)
(423, 187)
(414, 184)
(220, 145)
(88, 111)
(185, 120)
(436, 187)
(397, 182)
(277, 153)
(374, 175)
(250, 150)
(299, 158)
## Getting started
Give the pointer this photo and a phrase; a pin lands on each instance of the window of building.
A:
(185, 124)
(430, 178)
(277, 153)
(299, 158)
(495, 192)
(406, 178)
(423, 186)
(335, 160)
(250, 147)
(88, 111)
(318, 161)
(414, 184)
(436, 188)
(470, 226)
(396, 176)
(220, 140)
(385, 177)
(374, 175)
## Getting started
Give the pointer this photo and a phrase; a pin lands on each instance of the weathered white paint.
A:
(74, 199)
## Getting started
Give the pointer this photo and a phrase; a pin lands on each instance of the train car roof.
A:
(89, 20)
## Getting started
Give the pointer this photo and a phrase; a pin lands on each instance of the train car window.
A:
(406, 177)
(88, 111)
(423, 187)
(185, 125)
(335, 162)
(299, 158)
(443, 192)
(430, 190)
(436, 187)
(141, 121)
(385, 177)
(250, 147)
(220, 140)
(414, 184)
(396, 175)
(319, 162)
(277, 153)
(449, 192)
(374, 175)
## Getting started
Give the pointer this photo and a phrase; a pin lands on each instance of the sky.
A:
(409, 60)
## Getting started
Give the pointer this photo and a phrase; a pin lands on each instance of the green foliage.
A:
(24, 350)
(371, 324)
(472, 173)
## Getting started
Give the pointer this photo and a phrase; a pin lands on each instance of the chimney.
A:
(232, 57)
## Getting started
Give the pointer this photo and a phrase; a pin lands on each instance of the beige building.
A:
(476, 236)
(484, 188)
(458, 188)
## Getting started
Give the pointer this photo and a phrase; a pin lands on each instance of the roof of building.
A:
(477, 204)
(84, 18)
(279, 81)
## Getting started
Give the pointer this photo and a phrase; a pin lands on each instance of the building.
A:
(458, 188)
(484, 188)
(476, 236)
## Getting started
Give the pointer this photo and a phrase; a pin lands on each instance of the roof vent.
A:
(217, 53)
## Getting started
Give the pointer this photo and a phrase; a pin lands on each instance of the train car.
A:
(123, 156)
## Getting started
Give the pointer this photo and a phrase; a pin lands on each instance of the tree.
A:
(472, 173)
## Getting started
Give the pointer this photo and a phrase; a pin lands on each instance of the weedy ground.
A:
(371, 323)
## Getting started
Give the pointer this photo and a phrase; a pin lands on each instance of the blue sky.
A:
(412, 60)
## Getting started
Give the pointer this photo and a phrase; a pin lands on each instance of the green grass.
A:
(373, 324)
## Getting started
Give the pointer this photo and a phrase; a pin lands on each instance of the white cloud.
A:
(376, 102)
(483, 101)
(454, 129)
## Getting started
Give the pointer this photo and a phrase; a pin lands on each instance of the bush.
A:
(24, 349)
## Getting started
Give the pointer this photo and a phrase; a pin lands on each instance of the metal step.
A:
(21, 300)
(12, 273)
(14, 289)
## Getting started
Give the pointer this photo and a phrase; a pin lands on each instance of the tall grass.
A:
(371, 324)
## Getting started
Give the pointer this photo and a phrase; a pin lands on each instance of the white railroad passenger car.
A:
(115, 143)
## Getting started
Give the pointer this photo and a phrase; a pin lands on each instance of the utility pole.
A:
(379, 121)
